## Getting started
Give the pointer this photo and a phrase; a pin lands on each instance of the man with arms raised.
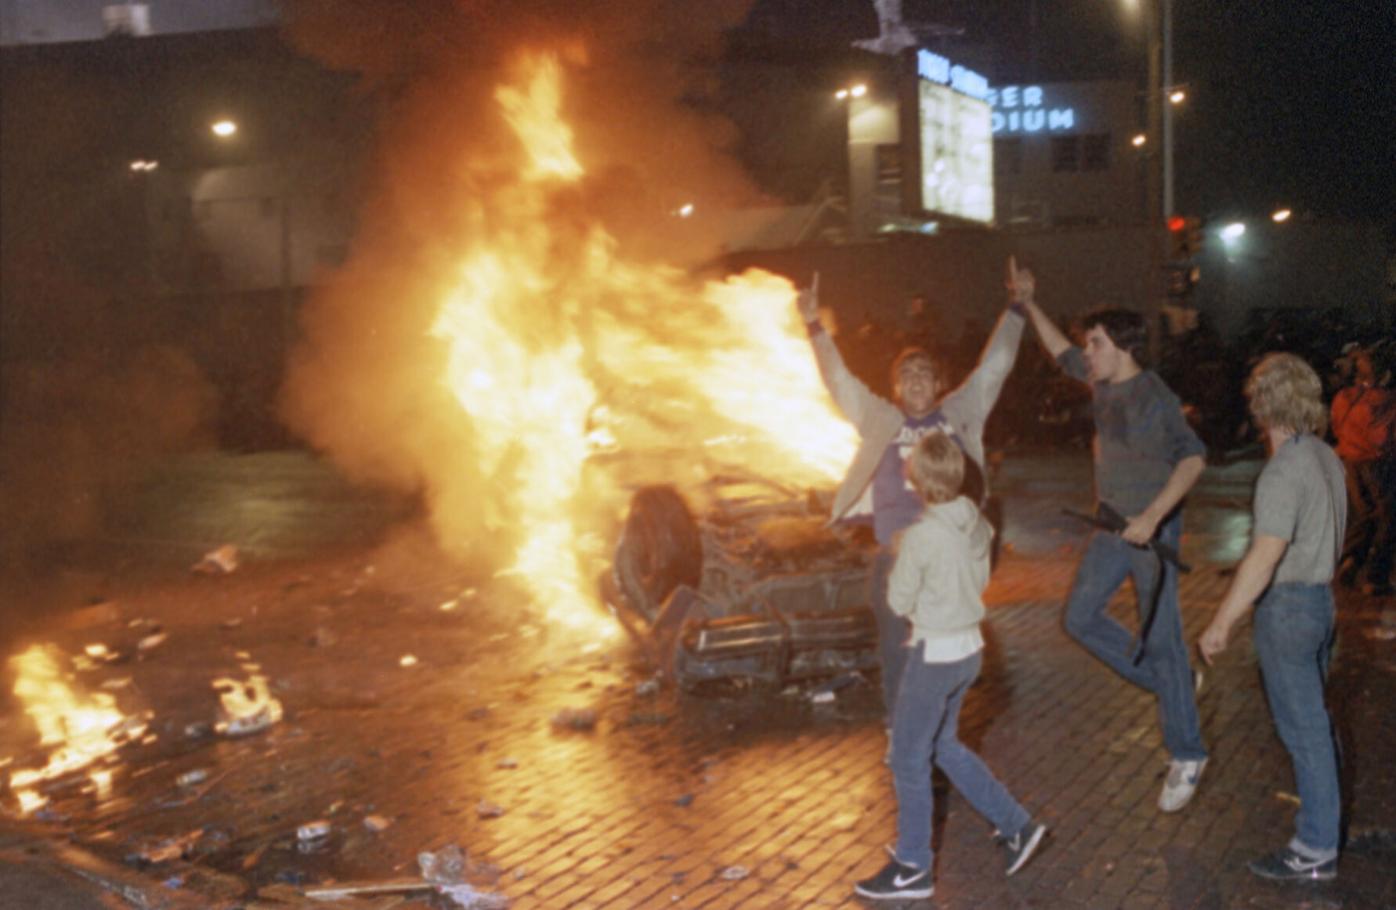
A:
(876, 485)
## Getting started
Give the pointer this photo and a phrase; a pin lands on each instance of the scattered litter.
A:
(231, 623)
(684, 801)
(168, 849)
(842, 681)
(576, 718)
(220, 561)
(376, 823)
(245, 707)
(98, 651)
(353, 889)
(198, 730)
(487, 809)
(1286, 797)
(822, 698)
(445, 866)
(466, 896)
(151, 641)
(507, 764)
(190, 778)
(313, 830)
(408, 660)
(1382, 633)
(449, 605)
(735, 873)
(119, 682)
(648, 687)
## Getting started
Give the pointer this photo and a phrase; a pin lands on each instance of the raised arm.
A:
(853, 398)
(1022, 289)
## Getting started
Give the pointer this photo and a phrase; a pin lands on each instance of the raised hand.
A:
(1021, 285)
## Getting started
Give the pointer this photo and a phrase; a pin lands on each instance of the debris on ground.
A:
(1382, 633)
(647, 718)
(313, 830)
(219, 561)
(190, 778)
(170, 848)
(507, 764)
(467, 897)
(445, 866)
(575, 718)
(486, 809)
(245, 707)
(151, 641)
(648, 687)
(376, 823)
(407, 660)
(684, 801)
(735, 873)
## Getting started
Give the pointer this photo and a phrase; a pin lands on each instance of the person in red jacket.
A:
(1362, 417)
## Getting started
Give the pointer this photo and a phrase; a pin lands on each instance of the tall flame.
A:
(584, 372)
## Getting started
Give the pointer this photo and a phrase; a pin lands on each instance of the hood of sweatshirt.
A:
(968, 520)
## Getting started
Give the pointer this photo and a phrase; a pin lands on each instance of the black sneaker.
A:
(896, 881)
(1023, 845)
(1288, 866)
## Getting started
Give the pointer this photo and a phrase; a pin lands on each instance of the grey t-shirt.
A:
(1140, 435)
(1300, 498)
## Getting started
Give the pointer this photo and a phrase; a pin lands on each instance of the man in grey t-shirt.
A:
(1146, 460)
(1300, 512)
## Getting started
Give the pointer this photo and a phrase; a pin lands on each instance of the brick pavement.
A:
(803, 805)
(668, 793)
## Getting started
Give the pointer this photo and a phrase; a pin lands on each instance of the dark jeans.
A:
(892, 631)
(925, 731)
(1165, 669)
(1294, 640)
(1370, 539)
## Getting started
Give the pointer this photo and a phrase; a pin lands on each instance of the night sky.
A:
(1290, 102)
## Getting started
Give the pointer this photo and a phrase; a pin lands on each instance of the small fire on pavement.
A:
(79, 727)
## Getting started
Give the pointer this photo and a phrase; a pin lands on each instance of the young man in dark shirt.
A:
(1146, 460)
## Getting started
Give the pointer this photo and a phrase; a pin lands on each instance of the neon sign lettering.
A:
(1024, 109)
(935, 68)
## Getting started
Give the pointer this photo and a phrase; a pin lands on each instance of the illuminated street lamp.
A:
(142, 165)
(1281, 216)
(224, 129)
(1139, 140)
(854, 91)
(1233, 232)
(1177, 96)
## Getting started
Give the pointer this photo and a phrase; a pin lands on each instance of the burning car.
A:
(754, 584)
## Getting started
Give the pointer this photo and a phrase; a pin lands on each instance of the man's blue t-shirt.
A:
(896, 505)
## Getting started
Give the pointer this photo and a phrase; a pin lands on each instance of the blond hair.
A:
(936, 468)
(1286, 394)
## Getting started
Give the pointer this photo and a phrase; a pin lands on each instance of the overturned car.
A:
(753, 585)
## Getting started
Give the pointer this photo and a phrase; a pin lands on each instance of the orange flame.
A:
(584, 374)
(83, 727)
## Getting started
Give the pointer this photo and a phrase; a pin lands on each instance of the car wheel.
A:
(659, 549)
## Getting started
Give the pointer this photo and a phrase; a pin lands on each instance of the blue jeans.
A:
(1164, 670)
(925, 729)
(1294, 640)
(892, 630)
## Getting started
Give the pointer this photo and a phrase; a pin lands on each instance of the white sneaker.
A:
(1180, 784)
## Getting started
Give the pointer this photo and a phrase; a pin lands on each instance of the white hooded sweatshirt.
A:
(939, 577)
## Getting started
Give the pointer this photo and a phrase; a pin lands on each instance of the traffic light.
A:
(1184, 247)
(1184, 238)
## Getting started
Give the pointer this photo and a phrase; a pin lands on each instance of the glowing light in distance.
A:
(1233, 231)
(1139, 140)
(141, 164)
(224, 128)
(858, 91)
(684, 210)
(1281, 216)
(1177, 96)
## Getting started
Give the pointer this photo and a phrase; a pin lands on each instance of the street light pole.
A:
(1160, 91)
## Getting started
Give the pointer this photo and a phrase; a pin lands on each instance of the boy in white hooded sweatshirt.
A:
(937, 582)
